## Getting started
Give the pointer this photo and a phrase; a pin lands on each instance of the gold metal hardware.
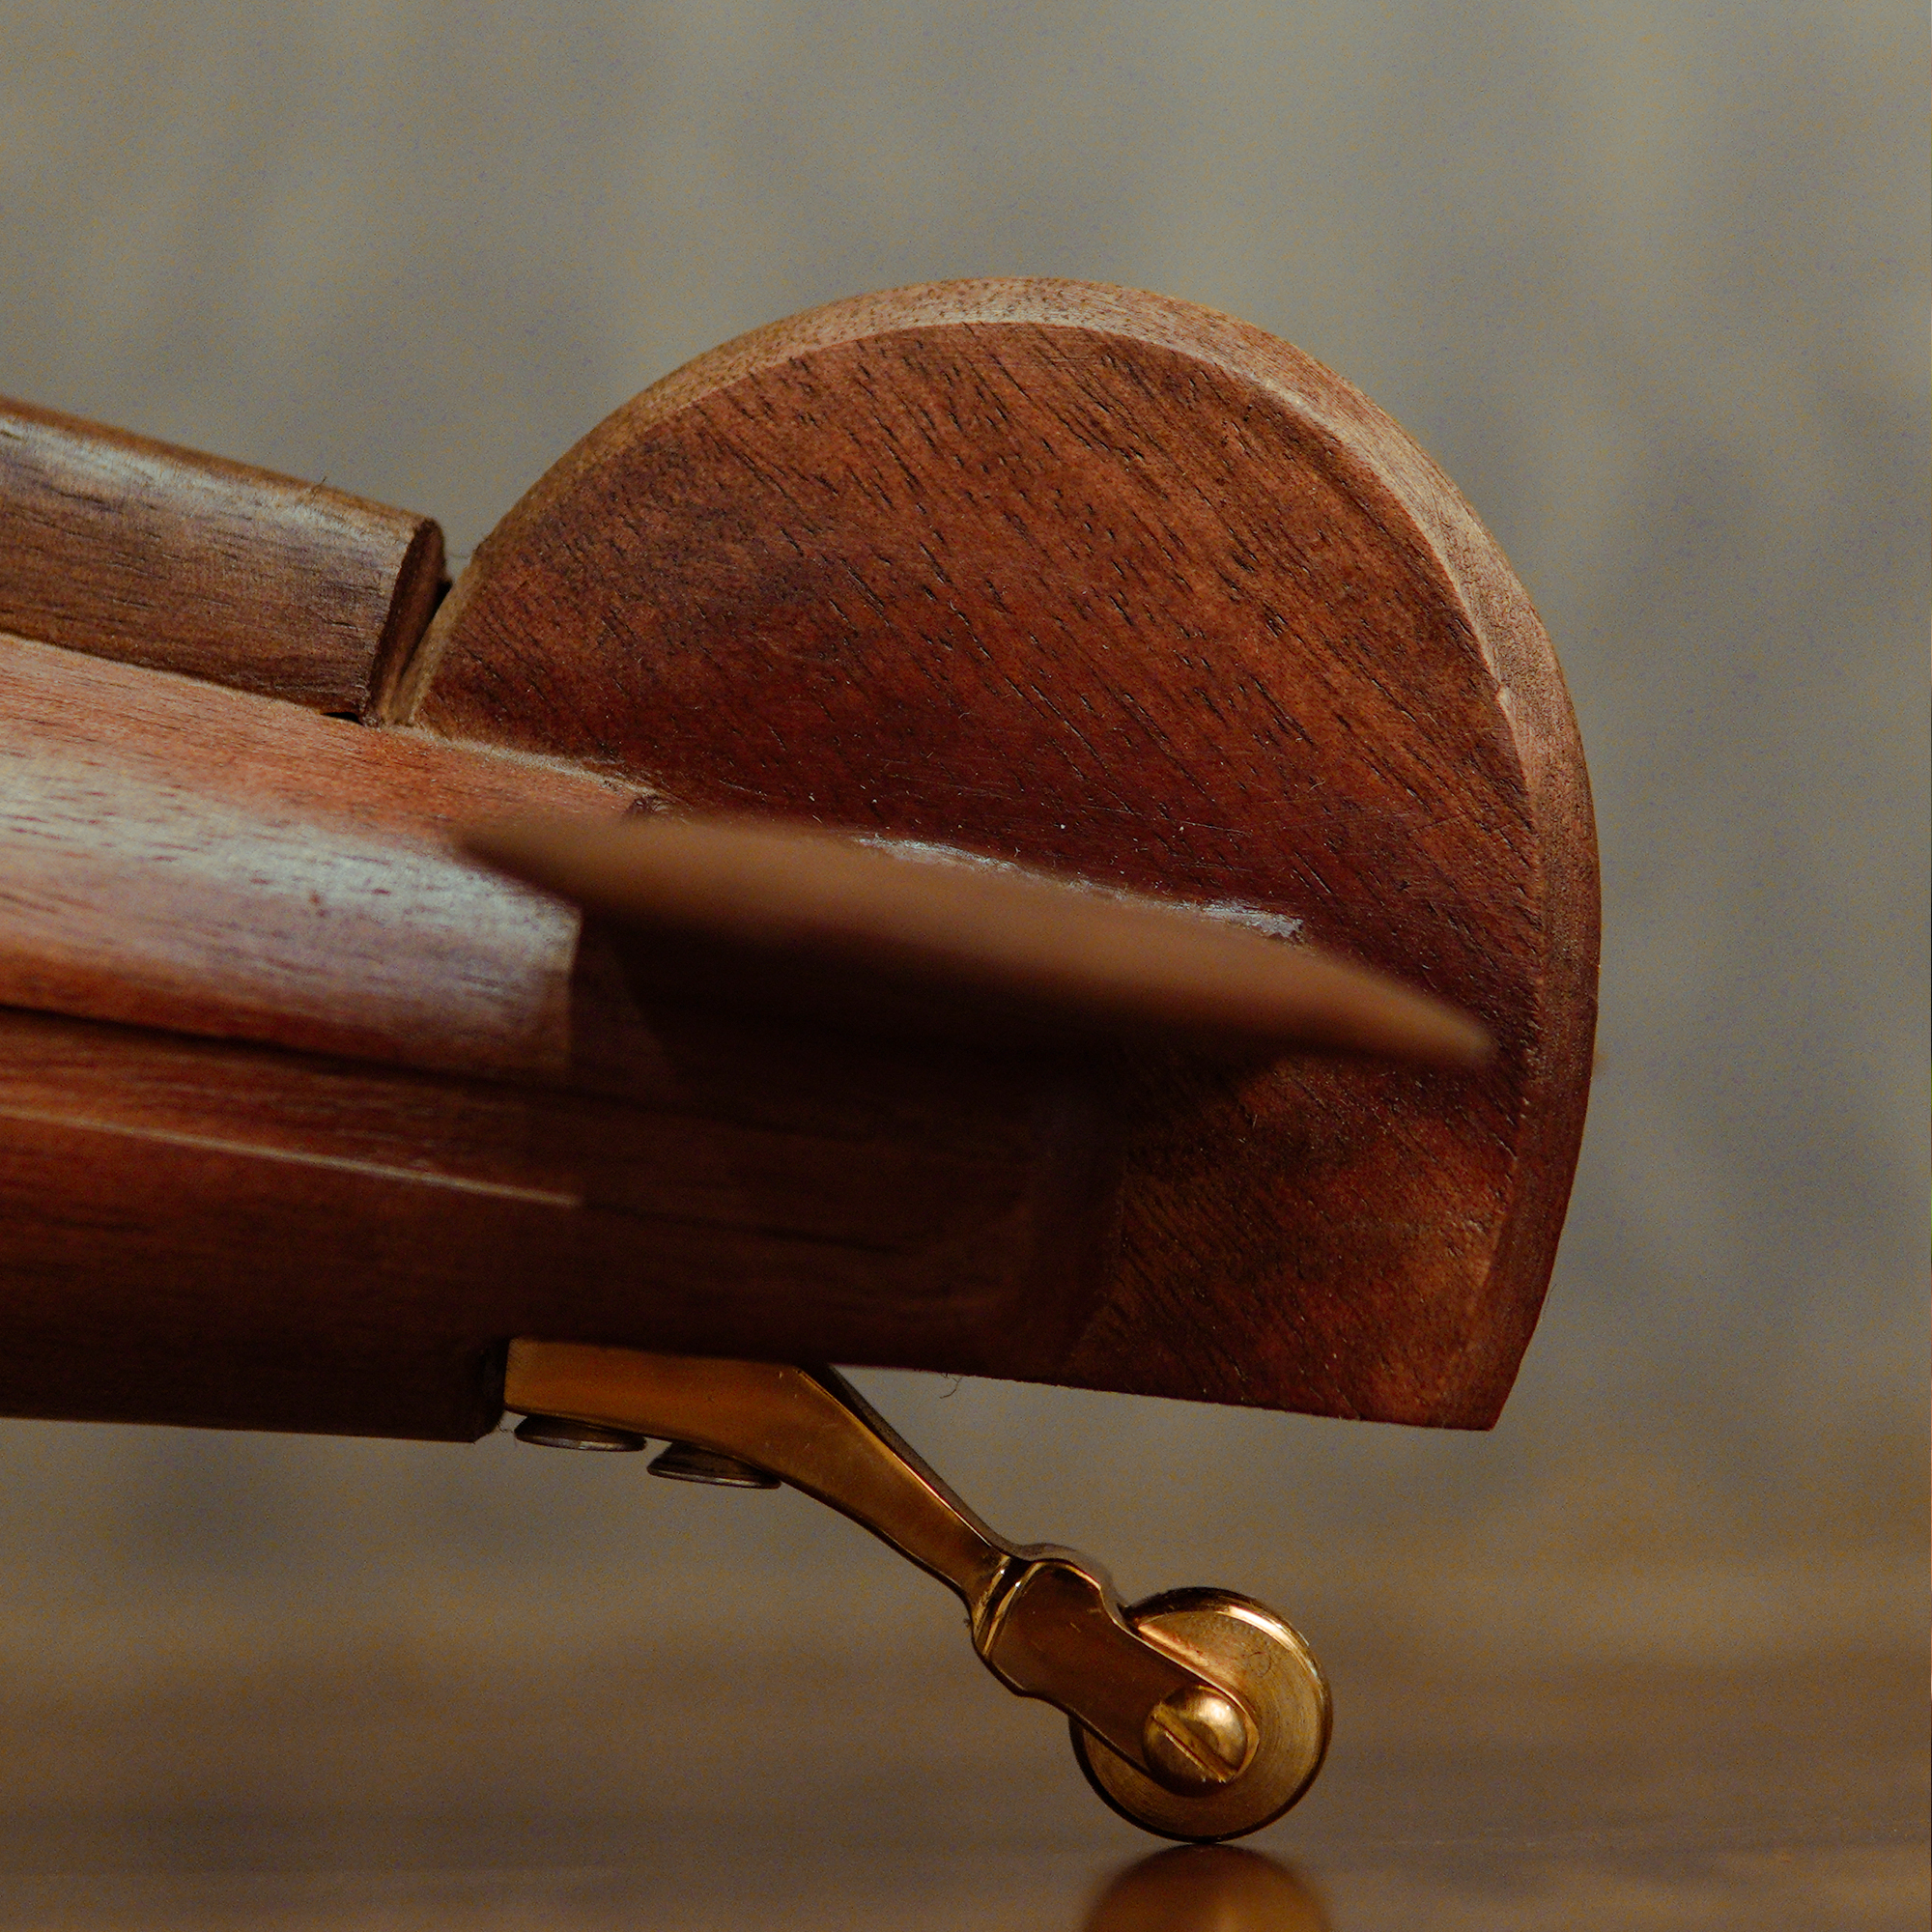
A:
(687, 1462)
(1236, 1639)
(557, 1431)
(1197, 1715)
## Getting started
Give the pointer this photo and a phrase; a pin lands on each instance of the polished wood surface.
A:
(218, 863)
(1745, 1798)
(310, 1111)
(222, 1234)
(131, 548)
(1109, 585)
(318, 1240)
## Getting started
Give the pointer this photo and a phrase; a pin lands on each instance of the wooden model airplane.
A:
(1011, 827)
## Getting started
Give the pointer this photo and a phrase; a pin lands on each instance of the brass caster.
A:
(1244, 1646)
(1197, 1715)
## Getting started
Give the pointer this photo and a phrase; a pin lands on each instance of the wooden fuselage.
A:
(304, 1113)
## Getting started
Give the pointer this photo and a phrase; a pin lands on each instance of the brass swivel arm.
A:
(1197, 1715)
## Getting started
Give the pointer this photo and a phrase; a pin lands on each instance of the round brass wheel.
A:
(1244, 1647)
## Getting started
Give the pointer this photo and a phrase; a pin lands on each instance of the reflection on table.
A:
(1209, 1889)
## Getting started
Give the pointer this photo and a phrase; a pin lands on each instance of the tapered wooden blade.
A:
(783, 909)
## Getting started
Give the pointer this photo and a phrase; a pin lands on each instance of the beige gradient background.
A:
(1648, 279)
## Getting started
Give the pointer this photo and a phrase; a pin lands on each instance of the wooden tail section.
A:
(1219, 808)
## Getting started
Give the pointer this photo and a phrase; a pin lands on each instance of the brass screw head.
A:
(1197, 1739)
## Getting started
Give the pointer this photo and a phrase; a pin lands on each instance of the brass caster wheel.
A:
(1243, 1646)
(1197, 1715)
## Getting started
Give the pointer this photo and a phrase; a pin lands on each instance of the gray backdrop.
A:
(1647, 279)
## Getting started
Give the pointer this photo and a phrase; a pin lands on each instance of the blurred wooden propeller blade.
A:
(801, 914)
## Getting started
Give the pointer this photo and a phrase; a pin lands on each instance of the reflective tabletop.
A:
(756, 1791)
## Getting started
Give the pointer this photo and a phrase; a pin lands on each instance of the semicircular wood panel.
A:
(1105, 583)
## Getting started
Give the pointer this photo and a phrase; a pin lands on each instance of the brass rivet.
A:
(557, 1431)
(687, 1462)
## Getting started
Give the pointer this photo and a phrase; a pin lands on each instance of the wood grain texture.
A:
(225, 1235)
(385, 1108)
(1112, 586)
(177, 855)
(130, 549)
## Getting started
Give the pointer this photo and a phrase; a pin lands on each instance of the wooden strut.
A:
(1075, 605)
